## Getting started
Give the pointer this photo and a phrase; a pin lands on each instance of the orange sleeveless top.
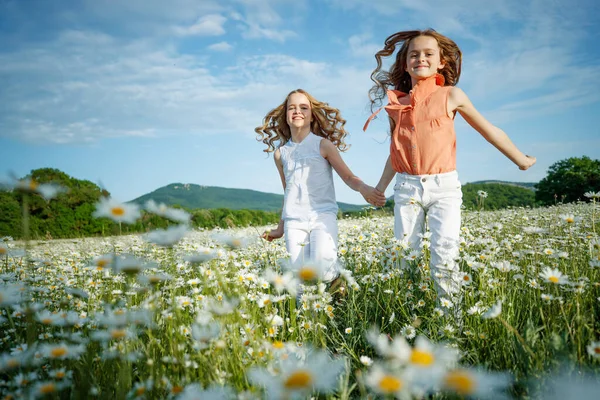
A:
(424, 140)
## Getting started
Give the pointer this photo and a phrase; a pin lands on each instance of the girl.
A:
(421, 107)
(310, 133)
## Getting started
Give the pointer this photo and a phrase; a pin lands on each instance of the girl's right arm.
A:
(386, 176)
(459, 101)
(277, 232)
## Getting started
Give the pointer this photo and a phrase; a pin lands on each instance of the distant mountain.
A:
(193, 196)
(526, 185)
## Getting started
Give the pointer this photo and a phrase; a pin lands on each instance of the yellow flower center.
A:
(118, 333)
(101, 263)
(307, 273)
(570, 220)
(47, 321)
(461, 382)
(60, 375)
(236, 243)
(177, 389)
(3, 250)
(48, 388)
(597, 350)
(33, 185)
(278, 345)
(117, 211)
(422, 358)
(140, 391)
(58, 352)
(553, 279)
(390, 384)
(301, 379)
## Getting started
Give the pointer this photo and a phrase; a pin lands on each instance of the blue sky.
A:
(138, 94)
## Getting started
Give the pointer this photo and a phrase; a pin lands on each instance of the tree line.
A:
(69, 215)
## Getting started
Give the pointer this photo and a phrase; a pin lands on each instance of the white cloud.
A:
(207, 25)
(362, 46)
(85, 87)
(221, 47)
(255, 31)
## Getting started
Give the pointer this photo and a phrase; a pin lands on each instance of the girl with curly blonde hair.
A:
(422, 103)
(306, 136)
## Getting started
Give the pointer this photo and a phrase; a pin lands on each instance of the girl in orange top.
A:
(422, 103)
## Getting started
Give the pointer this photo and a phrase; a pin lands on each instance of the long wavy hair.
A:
(397, 77)
(326, 122)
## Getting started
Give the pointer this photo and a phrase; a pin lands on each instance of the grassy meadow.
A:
(181, 314)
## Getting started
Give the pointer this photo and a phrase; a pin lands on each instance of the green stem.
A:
(519, 337)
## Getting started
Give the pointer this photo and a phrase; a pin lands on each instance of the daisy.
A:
(466, 279)
(232, 241)
(592, 195)
(547, 297)
(473, 383)
(504, 266)
(47, 190)
(174, 214)
(127, 213)
(494, 311)
(569, 218)
(408, 331)
(167, 237)
(593, 349)
(131, 265)
(46, 388)
(553, 275)
(310, 272)
(446, 303)
(365, 360)
(534, 230)
(397, 350)
(533, 283)
(298, 377)
(61, 351)
(112, 334)
(430, 356)
(388, 383)
(283, 282)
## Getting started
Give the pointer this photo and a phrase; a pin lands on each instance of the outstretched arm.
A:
(370, 194)
(277, 232)
(459, 101)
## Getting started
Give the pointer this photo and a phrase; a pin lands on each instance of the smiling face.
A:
(423, 59)
(299, 112)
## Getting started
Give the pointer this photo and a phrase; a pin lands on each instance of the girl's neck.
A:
(300, 134)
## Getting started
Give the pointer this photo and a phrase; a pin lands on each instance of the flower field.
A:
(216, 314)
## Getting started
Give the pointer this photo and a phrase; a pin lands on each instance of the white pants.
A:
(434, 200)
(315, 240)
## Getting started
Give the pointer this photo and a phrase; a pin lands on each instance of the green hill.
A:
(193, 197)
(526, 185)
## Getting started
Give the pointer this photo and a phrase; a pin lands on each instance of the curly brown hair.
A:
(326, 122)
(397, 77)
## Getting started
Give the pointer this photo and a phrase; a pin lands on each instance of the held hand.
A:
(373, 196)
(271, 235)
(527, 162)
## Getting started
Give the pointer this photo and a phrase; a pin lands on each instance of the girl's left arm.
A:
(458, 101)
(370, 194)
